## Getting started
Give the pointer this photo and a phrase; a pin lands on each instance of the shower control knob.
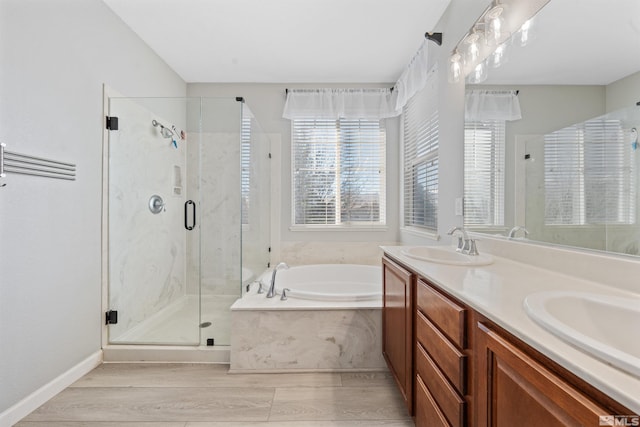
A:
(156, 204)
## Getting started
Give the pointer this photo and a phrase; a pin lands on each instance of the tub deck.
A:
(253, 301)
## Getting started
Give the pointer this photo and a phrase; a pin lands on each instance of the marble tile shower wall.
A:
(256, 234)
(219, 214)
(146, 251)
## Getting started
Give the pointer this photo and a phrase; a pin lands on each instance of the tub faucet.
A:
(272, 289)
(514, 230)
(260, 287)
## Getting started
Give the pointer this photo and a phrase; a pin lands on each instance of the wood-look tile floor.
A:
(201, 395)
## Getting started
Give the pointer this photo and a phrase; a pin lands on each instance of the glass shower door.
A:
(153, 230)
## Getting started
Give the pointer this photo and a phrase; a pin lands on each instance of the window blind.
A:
(589, 175)
(338, 173)
(484, 146)
(420, 176)
(245, 166)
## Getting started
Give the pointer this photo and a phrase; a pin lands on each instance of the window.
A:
(484, 143)
(338, 172)
(589, 175)
(420, 127)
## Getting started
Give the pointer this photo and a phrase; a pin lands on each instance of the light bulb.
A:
(455, 68)
(479, 74)
(473, 50)
(525, 34)
(495, 28)
(499, 56)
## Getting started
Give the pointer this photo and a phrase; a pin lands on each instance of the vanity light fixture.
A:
(486, 42)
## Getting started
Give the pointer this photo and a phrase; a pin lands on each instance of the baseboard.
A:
(47, 391)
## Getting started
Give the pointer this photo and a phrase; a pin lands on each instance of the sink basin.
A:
(604, 326)
(446, 255)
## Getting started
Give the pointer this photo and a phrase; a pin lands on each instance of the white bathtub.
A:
(329, 282)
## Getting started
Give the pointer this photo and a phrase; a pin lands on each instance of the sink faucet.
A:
(517, 228)
(466, 245)
(462, 240)
(272, 289)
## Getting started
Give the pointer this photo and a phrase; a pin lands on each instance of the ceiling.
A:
(283, 41)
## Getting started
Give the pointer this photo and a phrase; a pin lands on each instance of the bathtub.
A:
(331, 321)
(329, 282)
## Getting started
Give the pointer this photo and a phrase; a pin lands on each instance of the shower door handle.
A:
(186, 215)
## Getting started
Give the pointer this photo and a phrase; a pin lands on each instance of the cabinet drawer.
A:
(427, 412)
(446, 397)
(445, 355)
(448, 316)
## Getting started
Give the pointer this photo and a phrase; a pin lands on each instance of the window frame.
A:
(342, 128)
(493, 165)
(420, 147)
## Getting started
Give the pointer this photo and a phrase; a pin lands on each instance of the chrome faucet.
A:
(463, 240)
(466, 245)
(514, 230)
(272, 289)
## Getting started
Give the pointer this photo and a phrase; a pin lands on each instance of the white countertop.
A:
(497, 291)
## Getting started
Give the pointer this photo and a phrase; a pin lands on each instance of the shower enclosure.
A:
(187, 217)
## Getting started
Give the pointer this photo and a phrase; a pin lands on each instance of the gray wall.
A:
(266, 101)
(623, 93)
(55, 56)
(457, 19)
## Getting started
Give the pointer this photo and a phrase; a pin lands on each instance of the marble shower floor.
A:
(178, 325)
(204, 395)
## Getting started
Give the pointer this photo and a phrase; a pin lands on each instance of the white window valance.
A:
(336, 104)
(414, 77)
(481, 105)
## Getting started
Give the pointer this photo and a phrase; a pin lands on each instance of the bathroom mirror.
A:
(579, 69)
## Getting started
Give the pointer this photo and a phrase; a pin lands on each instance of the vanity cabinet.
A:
(457, 368)
(397, 326)
(513, 388)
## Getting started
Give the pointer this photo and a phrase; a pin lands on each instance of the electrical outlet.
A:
(458, 207)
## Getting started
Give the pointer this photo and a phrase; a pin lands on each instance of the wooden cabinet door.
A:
(515, 390)
(397, 327)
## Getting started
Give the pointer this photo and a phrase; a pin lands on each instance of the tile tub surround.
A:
(497, 291)
(331, 252)
(299, 335)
